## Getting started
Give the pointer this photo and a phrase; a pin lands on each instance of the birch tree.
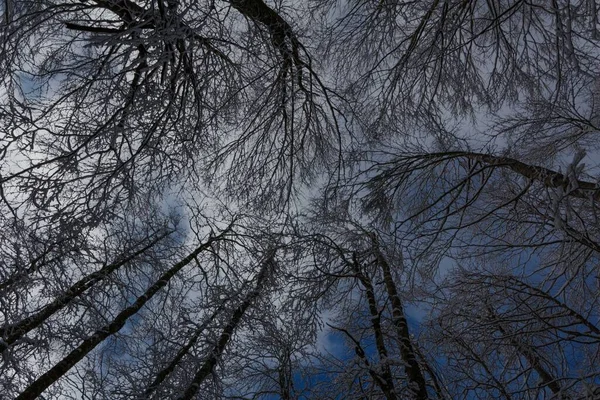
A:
(194, 194)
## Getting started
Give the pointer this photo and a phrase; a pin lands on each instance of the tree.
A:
(534, 332)
(250, 198)
(371, 316)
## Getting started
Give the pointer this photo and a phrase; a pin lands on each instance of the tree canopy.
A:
(257, 199)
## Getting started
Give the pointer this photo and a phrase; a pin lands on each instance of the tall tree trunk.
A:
(284, 377)
(215, 354)
(412, 368)
(13, 332)
(386, 383)
(56, 372)
(165, 372)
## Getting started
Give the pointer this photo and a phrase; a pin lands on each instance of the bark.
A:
(285, 379)
(547, 177)
(413, 370)
(56, 372)
(215, 354)
(280, 30)
(439, 390)
(165, 372)
(13, 332)
(386, 383)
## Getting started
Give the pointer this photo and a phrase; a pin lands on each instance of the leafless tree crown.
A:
(250, 199)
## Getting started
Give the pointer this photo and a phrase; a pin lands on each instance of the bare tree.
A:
(370, 315)
(127, 97)
(194, 194)
(535, 332)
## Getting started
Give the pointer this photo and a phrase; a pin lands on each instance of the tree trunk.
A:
(412, 368)
(215, 354)
(165, 372)
(386, 383)
(56, 372)
(13, 332)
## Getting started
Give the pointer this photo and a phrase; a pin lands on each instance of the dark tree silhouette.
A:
(328, 199)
